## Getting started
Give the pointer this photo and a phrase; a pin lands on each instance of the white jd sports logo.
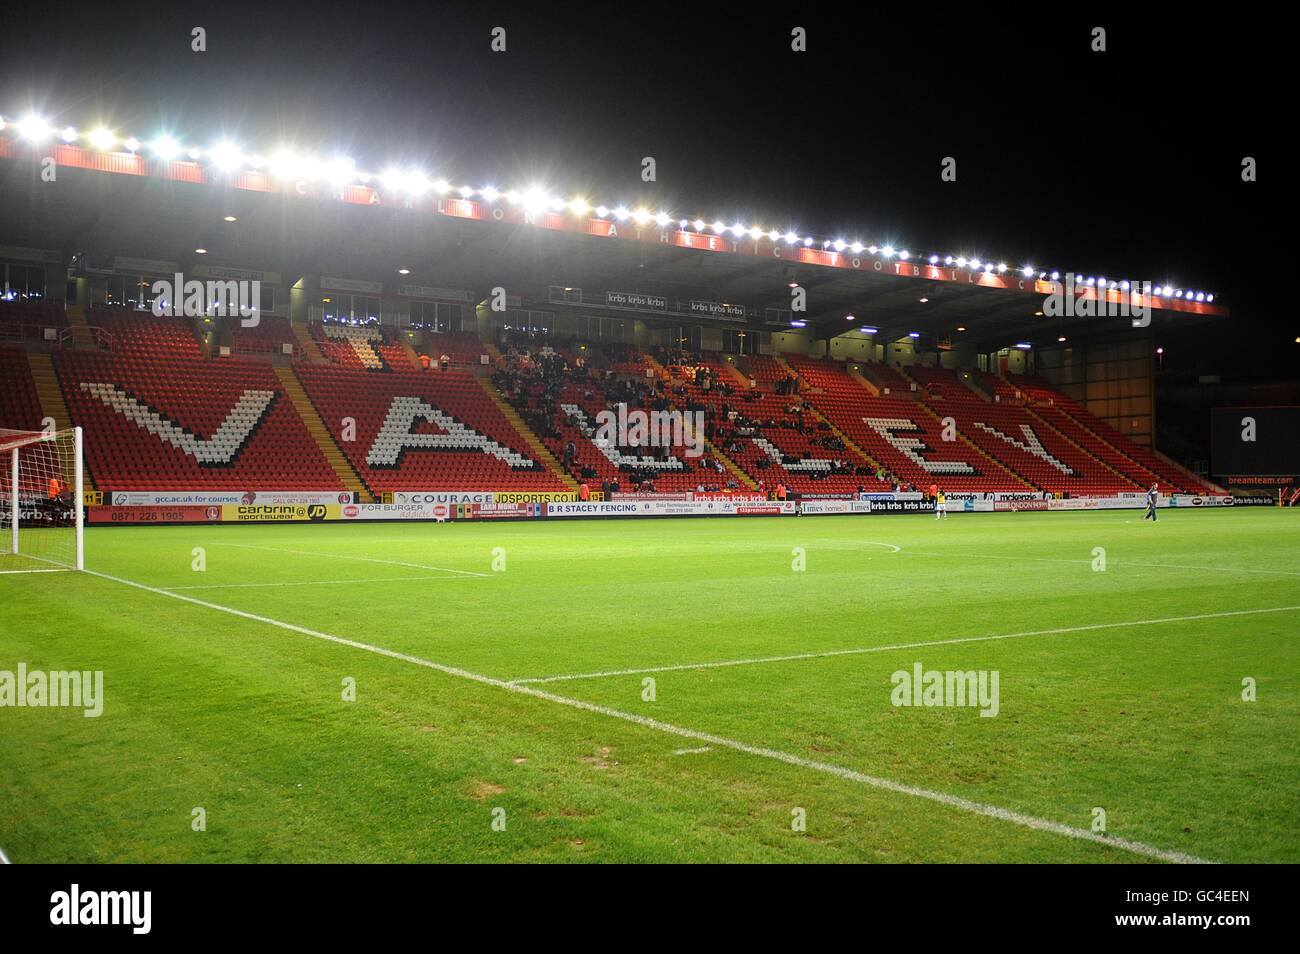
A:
(220, 449)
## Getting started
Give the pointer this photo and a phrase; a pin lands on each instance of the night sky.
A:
(1124, 163)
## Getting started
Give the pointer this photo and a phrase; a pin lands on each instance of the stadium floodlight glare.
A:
(165, 148)
(1209, 297)
(961, 261)
(1056, 276)
(1101, 281)
(755, 232)
(557, 204)
(914, 334)
(800, 324)
(284, 165)
(1027, 271)
(807, 241)
(868, 330)
(577, 205)
(602, 211)
(69, 134)
(934, 259)
(839, 245)
(487, 192)
(887, 251)
(392, 179)
(904, 254)
(1002, 267)
(948, 260)
(1023, 345)
(719, 227)
(33, 128)
(662, 218)
(418, 184)
(641, 215)
(226, 155)
(773, 235)
(873, 249)
(621, 213)
(341, 171)
(699, 225)
(1062, 338)
(534, 200)
(132, 144)
(1124, 285)
(102, 139)
(513, 197)
(738, 229)
(465, 191)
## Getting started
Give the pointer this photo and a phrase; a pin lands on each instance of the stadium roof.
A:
(300, 216)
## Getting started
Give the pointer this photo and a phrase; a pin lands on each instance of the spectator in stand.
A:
(425, 361)
(584, 492)
(445, 361)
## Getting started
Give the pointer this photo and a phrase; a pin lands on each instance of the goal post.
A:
(43, 515)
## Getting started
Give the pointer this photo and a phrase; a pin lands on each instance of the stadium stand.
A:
(161, 415)
(20, 407)
(165, 422)
(430, 431)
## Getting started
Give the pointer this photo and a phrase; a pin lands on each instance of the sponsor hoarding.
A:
(141, 514)
(203, 498)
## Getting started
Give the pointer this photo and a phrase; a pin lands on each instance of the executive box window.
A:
(22, 282)
(350, 308)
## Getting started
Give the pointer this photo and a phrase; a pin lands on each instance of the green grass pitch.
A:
(1119, 689)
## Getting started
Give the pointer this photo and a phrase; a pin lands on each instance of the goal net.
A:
(41, 489)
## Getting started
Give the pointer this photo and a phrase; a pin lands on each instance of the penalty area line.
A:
(851, 775)
(863, 650)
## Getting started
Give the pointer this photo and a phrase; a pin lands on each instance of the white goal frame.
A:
(12, 442)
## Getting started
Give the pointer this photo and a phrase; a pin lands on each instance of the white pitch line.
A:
(952, 801)
(1113, 563)
(377, 579)
(344, 556)
(699, 751)
(859, 651)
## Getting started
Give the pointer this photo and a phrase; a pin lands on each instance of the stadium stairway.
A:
(308, 344)
(660, 371)
(732, 467)
(405, 344)
(740, 377)
(973, 385)
(534, 442)
(321, 435)
(863, 380)
(923, 405)
(51, 396)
